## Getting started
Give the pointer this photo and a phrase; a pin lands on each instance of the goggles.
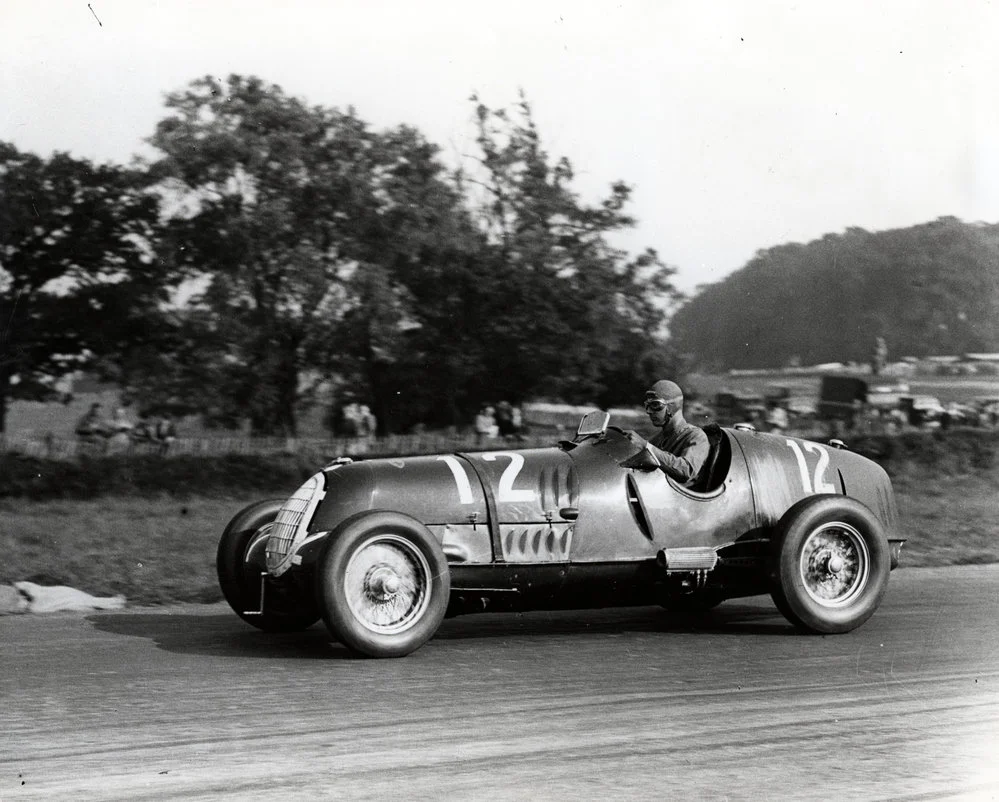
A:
(655, 405)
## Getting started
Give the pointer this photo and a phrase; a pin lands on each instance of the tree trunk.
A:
(4, 396)
(380, 390)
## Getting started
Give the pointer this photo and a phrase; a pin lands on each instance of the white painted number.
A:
(460, 478)
(818, 483)
(506, 491)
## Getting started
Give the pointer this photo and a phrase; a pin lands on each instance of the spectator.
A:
(92, 430)
(351, 424)
(776, 418)
(144, 430)
(166, 433)
(504, 419)
(517, 418)
(118, 434)
(367, 422)
(485, 425)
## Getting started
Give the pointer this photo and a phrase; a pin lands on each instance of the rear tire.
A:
(829, 565)
(383, 584)
(286, 611)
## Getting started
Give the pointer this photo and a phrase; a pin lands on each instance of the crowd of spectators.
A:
(99, 435)
(503, 421)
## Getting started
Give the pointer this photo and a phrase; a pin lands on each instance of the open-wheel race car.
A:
(383, 549)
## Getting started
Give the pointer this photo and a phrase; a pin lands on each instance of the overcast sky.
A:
(741, 125)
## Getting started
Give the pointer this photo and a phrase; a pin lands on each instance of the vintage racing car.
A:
(383, 549)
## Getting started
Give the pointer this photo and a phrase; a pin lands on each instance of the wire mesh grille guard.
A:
(291, 524)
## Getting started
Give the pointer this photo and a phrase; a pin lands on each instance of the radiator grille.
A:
(292, 523)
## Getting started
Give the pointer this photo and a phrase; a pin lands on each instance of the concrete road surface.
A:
(625, 704)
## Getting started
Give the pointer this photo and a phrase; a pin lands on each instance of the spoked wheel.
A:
(830, 564)
(387, 584)
(835, 564)
(240, 562)
(384, 584)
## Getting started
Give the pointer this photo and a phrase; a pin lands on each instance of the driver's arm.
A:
(685, 466)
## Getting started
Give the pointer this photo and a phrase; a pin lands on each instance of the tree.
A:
(331, 252)
(78, 273)
(565, 310)
(301, 221)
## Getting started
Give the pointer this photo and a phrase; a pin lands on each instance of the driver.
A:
(679, 448)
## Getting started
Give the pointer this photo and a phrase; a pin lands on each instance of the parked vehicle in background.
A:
(921, 410)
(733, 408)
(988, 411)
(841, 398)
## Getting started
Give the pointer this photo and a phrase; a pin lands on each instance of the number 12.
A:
(818, 484)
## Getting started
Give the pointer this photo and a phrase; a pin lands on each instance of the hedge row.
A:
(932, 453)
(40, 479)
(951, 453)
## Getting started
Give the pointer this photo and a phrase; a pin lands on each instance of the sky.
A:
(740, 125)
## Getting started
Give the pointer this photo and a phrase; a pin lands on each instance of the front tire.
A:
(383, 584)
(285, 611)
(829, 565)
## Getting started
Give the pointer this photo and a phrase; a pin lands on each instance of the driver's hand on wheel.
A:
(635, 438)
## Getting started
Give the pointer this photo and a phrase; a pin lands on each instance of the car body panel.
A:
(630, 514)
(680, 517)
(423, 487)
(785, 470)
(527, 490)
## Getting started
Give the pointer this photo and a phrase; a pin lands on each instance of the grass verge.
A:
(152, 550)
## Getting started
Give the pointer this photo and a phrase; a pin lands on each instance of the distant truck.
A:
(841, 398)
(921, 410)
(845, 398)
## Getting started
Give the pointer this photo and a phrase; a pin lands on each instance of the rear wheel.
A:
(240, 579)
(384, 584)
(830, 564)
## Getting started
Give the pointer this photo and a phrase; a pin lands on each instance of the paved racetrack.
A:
(191, 702)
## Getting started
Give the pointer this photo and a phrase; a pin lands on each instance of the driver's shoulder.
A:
(694, 432)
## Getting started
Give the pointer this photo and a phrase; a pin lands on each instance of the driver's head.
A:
(662, 401)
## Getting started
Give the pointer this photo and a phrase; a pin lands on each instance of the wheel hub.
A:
(835, 564)
(382, 583)
(386, 584)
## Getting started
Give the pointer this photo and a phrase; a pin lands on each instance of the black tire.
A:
(383, 584)
(829, 564)
(286, 610)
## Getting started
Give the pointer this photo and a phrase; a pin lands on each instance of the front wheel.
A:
(829, 565)
(240, 576)
(383, 584)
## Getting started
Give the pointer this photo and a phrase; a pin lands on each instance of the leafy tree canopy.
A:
(77, 268)
(299, 217)
(334, 252)
(566, 314)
